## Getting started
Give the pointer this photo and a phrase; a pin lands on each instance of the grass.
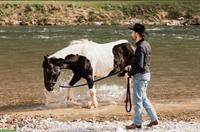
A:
(193, 4)
(141, 8)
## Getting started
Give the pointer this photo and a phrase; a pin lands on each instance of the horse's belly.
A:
(103, 69)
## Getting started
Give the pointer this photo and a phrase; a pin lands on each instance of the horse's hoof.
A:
(70, 99)
(90, 105)
(87, 106)
(95, 104)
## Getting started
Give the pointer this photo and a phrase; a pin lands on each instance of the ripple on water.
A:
(3, 37)
(41, 37)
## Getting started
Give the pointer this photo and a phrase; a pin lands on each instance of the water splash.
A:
(106, 93)
(56, 98)
(110, 93)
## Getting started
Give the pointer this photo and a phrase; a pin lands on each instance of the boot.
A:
(133, 126)
(152, 123)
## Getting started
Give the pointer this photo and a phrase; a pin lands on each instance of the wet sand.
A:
(181, 110)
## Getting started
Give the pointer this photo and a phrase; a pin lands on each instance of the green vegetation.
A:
(86, 12)
(7, 130)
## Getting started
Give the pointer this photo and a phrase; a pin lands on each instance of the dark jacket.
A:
(141, 62)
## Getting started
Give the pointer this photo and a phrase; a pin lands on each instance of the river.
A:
(174, 66)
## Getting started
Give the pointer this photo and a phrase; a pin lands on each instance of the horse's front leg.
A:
(70, 94)
(92, 93)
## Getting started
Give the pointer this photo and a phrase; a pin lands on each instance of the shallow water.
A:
(175, 62)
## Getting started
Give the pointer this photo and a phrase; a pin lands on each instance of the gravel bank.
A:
(42, 124)
(106, 126)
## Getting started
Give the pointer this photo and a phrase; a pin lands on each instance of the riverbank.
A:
(176, 116)
(99, 13)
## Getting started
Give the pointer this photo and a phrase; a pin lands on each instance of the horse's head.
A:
(51, 70)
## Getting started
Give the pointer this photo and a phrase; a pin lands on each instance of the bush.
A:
(92, 17)
(29, 8)
(81, 19)
(174, 14)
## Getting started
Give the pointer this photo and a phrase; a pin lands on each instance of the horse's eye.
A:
(54, 75)
(57, 69)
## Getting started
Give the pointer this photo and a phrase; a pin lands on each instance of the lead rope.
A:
(93, 81)
(128, 97)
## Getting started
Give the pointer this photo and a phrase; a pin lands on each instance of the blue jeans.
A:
(140, 83)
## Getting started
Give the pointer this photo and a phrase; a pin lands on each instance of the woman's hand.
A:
(128, 68)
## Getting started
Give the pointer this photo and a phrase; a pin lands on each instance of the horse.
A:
(87, 59)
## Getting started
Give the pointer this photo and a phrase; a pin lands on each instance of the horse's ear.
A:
(46, 58)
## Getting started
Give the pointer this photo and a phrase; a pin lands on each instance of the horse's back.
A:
(101, 56)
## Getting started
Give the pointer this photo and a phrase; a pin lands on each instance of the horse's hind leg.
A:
(92, 93)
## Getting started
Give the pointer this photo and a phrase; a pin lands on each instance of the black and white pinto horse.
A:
(87, 59)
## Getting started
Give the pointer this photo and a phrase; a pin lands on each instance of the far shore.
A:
(179, 13)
